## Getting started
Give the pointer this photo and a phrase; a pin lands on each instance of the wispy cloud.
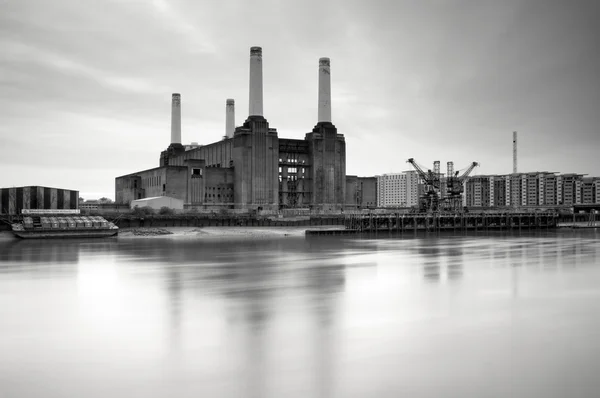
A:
(196, 39)
(15, 51)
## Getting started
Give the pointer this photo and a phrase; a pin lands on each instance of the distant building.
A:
(398, 189)
(571, 188)
(589, 190)
(540, 188)
(89, 205)
(477, 191)
(13, 200)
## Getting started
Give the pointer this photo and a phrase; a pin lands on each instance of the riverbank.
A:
(207, 232)
(218, 232)
(581, 224)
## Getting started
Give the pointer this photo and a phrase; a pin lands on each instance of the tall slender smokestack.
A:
(229, 118)
(176, 119)
(256, 78)
(514, 151)
(324, 90)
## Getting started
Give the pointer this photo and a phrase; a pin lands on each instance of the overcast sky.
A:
(85, 85)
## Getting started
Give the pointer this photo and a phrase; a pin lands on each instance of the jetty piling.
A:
(436, 222)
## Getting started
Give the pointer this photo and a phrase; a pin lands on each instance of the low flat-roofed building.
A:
(15, 199)
(158, 202)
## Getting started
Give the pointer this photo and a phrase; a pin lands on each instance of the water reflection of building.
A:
(327, 283)
(454, 267)
(434, 251)
(25, 255)
(431, 265)
(246, 286)
(257, 284)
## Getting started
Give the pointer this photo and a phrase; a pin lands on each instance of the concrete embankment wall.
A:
(187, 221)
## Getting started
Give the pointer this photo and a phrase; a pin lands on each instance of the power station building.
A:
(252, 167)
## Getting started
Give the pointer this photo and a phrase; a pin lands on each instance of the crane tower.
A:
(433, 199)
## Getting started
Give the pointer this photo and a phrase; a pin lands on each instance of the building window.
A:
(196, 173)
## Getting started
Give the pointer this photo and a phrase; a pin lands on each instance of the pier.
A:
(355, 223)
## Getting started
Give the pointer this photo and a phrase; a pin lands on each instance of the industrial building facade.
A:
(361, 192)
(251, 168)
(13, 200)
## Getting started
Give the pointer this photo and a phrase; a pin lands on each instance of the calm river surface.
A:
(495, 315)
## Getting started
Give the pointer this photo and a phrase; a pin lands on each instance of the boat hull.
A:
(62, 234)
(51, 226)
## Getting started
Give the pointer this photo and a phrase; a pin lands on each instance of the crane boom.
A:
(464, 176)
(420, 171)
(429, 178)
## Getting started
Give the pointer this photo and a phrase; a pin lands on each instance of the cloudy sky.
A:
(85, 85)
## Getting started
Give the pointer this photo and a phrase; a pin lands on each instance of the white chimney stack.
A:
(229, 118)
(256, 88)
(176, 119)
(324, 90)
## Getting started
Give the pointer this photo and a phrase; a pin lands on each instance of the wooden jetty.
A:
(356, 223)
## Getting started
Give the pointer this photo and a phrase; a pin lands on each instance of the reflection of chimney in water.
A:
(174, 289)
(325, 284)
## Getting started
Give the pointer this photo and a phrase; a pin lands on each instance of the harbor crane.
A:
(441, 193)
(430, 199)
(455, 185)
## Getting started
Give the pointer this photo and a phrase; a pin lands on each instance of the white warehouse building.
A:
(158, 202)
(398, 189)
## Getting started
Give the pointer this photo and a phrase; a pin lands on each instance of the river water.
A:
(446, 315)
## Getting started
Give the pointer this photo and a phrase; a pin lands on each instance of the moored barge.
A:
(45, 224)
